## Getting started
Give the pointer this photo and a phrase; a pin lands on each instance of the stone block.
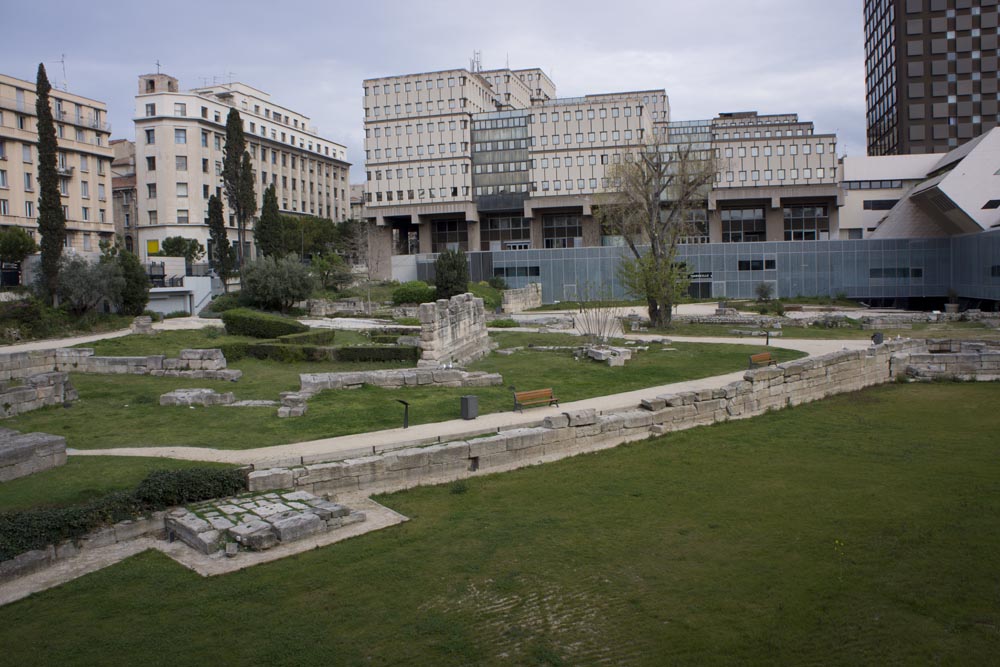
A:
(298, 526)
(653, 404)
(26, 563)
(556, 421)
(582, 417)
(271, 479)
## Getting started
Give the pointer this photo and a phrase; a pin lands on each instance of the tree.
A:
(135, 290)
(451, 274)
(15, 245)
(83, 285)
(331, 270)
(238, 180)
(51, 221)
(268, 230)
(275, 283)
(223, 257)
(178, 246)
(650, 207)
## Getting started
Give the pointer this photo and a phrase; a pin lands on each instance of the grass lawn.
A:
(823, 534)
(106, 402)
(919, 330)
(84, 478)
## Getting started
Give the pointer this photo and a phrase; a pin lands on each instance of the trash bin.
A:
(470, 407)
(878, 338)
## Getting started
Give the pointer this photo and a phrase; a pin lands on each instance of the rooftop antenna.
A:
(476, 62)
(157, 65)
(508, 61)
(230, 75)
(62, 61)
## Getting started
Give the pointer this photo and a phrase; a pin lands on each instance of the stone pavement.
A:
(365, 444)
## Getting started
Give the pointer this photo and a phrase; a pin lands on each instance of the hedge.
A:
(311, 337)
(277, 352)
(372, 353)
(38, 528)
(384, 339)
(414, 291)
(246, 322)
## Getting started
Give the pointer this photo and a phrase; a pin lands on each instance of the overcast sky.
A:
(773, 56)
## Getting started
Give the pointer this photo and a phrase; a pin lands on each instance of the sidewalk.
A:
(367, 444)
(172, 324)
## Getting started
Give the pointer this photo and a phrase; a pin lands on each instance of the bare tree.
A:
(598, 317)
(650, 205)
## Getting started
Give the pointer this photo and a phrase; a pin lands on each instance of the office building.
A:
(931, 70)
(83, 163)
(123, 192)
(180, 141)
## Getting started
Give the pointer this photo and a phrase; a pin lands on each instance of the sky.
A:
(711, 56)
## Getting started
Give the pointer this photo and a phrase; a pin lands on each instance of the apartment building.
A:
(931, 73)
(84, 163)
(180, 141)
(493, 159)
(123, 192)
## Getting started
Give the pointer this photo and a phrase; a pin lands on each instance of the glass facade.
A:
(807, 223)
(505, 233)
(562, 231)
(743, 224)
(449, 235)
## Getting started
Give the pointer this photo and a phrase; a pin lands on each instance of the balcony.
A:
(65, 171)
(90, 122)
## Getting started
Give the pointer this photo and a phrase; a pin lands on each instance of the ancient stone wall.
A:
(955, 360)
(204, 364)
(34, 392)
(522, 298)
(313, 383)
(23, 454)
(453, 331)
(576, 432)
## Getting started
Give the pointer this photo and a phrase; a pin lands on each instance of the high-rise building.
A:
(931, 70)
(84, 163)
(180, 142)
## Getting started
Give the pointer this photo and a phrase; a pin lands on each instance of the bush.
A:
(38, 528)
(451, 274)
(286, 354)
(176, 314)
(497, 282)
(224, 302)
(245, 322)
(764, 291)
(384, 339)
(415, 291)
(366, 353)
(276, 283)
(502, 324)
(153, 315)
(83, 285)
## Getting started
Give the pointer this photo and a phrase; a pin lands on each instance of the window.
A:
(85, 214)
(151, 190)
(204, 141)
(180, 136)
(562, 231)
(756, 265)
(879, 204)
(150, 163)
(27, 182)
(153, 221)
(503, 232)
(449, 235)
(3, 178)
(180, 109)
(26, 153)
(182, 216)
(182, 189)
(4, 207)
(806, 223)
(991, 204)
(29, 209)
(743, 225)
(150, 110)
(181, 162)
(101, 192)
(150, 137)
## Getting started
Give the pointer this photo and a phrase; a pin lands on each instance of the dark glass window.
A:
(807, 223)
(562, 231)
(743, 224)
(504, 233)
(449, 235)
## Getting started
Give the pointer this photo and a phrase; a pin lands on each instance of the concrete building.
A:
(931, 73)
(357, 201)
(123, 191)
(873, 186)
(84, 163)
(180, 138)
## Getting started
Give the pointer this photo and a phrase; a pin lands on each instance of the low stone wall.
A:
(203, 364)
(453, 331)
(313, 383)
(970, 361)
(737, 320)
(328, 308)
(39, 559)
(34, 392)
(522, 298)
(581, 431)
(23, 454)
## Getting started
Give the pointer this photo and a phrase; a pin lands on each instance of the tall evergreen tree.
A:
(237, 179)
(268, 231)
(51, 221)
(221, 257)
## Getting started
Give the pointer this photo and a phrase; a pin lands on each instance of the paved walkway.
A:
(172, 324)
(364, 444)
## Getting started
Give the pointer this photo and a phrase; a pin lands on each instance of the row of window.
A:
(441, 126)
(421, 84)
(441, 149)
(769, 175)
(420, 171)
(30, 208)
(779, 150)
(420, 194)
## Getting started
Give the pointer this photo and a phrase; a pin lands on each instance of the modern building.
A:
(357, 201)
(931, 73)
(180, 141)
(84, 163)
(123, 191)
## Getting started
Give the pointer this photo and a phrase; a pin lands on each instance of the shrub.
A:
(38, 528)
(175, 314)
(497, 282)
(451, 274)
(153, 315)
(245, 322)
(502, 324)
(135, 292)
(371, 353)
(764, 291)
(415, 291)
(276, 283)
(224, 302)
(83, 285)
(384, 339)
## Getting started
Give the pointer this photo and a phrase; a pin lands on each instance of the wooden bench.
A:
(762, 359)
(533, 397)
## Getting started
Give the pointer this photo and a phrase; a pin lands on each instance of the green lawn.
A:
(84, 478)
(823, 534)
(106, 402)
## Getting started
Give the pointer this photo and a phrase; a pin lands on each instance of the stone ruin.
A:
(522, 298)
(453, 331)
(35, 391)
(23, 454)
(143, 325)
(256, 522)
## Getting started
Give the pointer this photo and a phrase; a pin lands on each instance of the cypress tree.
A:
(51, 221)
(237, 179)
(268, 231)
(221, 257)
